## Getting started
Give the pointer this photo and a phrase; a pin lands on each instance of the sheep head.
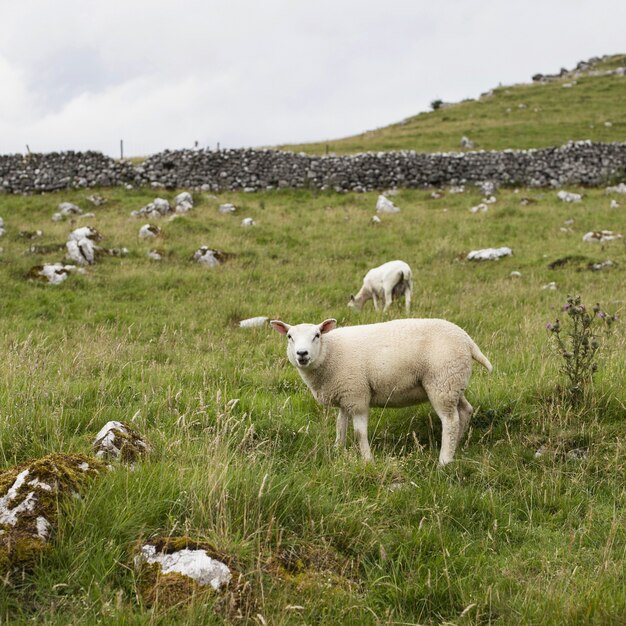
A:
(304, 341)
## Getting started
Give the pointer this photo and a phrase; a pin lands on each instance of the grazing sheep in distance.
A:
(391, 364)
(386, 281)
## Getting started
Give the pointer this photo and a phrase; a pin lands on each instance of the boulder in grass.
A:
(384, 205)
(227, 208)
(183, 202)
(149, 231)
(53, 273)
(601, 236)
(68, 209)
(209, 257)
(568, 196)
(489, 254)
(248, 221)
(29, 499)
(173, 570)
(117, 440)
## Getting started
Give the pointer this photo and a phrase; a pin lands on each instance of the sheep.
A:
(388, 280)
(390, 364)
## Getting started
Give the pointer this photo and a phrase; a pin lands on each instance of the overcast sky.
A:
(83, 74)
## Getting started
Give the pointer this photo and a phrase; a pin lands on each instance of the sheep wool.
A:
(391, 364)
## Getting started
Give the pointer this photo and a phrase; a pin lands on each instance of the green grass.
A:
(498, 537)
(549, 116)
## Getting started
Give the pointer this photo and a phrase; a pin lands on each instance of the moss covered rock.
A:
(119, 441)
(29, 499)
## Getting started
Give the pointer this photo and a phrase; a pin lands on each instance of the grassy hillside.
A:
(242, 455)
(518, 116)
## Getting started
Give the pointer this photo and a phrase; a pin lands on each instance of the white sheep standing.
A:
(391, 364)
(385, 281)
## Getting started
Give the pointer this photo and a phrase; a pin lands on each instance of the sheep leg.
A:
(465, 412)
(388, 298)
(407, 299)
(342, 429)
(375, 300)
(450, 427)
(359, 422)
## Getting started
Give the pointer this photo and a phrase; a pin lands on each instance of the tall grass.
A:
(242, 455)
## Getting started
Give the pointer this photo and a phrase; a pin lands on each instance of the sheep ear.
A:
(351, 298)
(279, 326)
(327, 325)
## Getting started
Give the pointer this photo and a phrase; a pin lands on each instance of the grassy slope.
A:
(497, 537)
(551, 116)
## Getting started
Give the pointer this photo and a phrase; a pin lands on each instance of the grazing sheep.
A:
(388, 280)
(391, 364)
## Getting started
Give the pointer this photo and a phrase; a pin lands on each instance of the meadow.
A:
(241, 454)
(529, 115)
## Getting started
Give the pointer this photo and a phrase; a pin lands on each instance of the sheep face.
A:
(354, 304)
(304, 341)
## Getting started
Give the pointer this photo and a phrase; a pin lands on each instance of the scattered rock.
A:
(81, 245)
(552, 286)
(247, 221)
(211, 258)
(68, 209)
(149, 231)
(467, 143)
(2, 230)
(479, 208)
(96, 199)
(29, 498)
(375, 219)
(490, 200)
(254, 322)
(605, 265)
(614, 204)
(457, 189)
(53, 273)
(155, 255)
(515, 274)
(487, 187)
(29, 234)
(227, 208)
(601, 236)
(183, 202)
(526, 201)
(119, 441)
(437, 195)
(157, 208)
(489, 254)
(384, 205)
(621, 188)
(568, 196)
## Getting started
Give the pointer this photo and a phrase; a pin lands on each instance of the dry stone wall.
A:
(583, 163)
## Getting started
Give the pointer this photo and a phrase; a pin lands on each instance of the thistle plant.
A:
(577, 342)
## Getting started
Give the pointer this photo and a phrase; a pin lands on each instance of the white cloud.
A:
(159, 74)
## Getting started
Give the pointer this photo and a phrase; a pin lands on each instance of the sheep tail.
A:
(478, 356)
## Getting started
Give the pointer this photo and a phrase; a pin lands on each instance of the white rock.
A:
(227, 208)
(247, 221)
(82, 252)
(149, 231)
(457, 189)
(85, 216)
(479, 208)
(597, 267)
(66, 209)
(550, 286)
(195, 564)
(614, 204)
(254, 322)
(568, 196)
(489, 254)
(375, 219)
(621, 188)
(515, 274)
(85, 232)
(161, 205)
(183, 207)
(155, 255)
(206, 256)
(184, 196)
(466, 142)
(601, 236)
(56, 273)
(106, 441)
(490, 200)
(43, 527)
(384, 205)
(57, 217)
